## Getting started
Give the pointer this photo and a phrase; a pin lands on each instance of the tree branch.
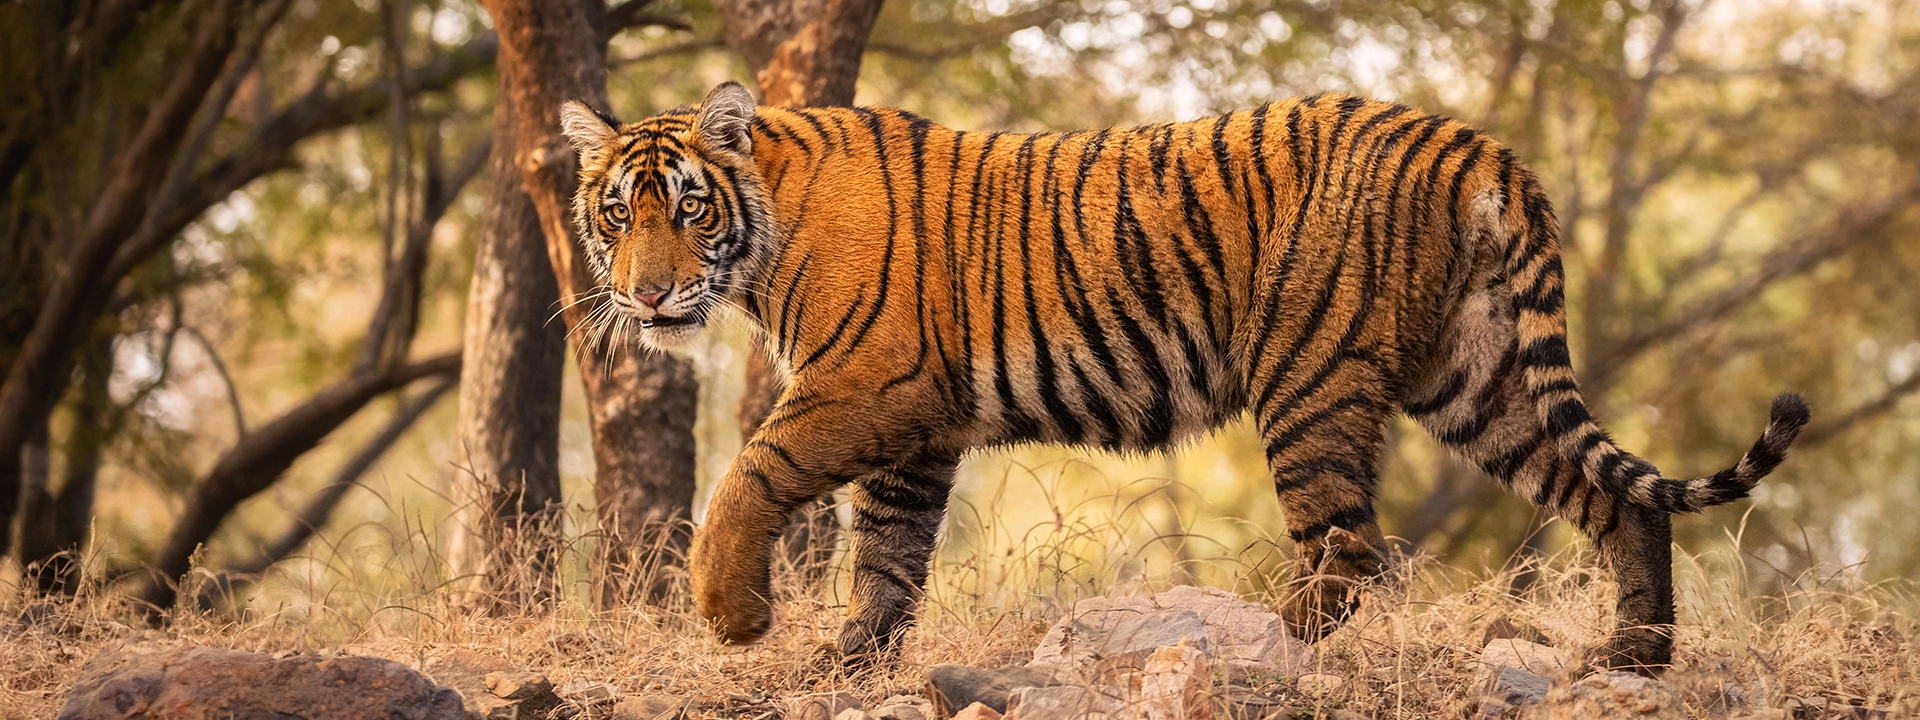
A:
(319, 508)
(1828, 429)
(255, 462)
(1854, 230)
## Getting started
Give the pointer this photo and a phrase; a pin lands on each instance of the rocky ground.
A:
(1184, 652)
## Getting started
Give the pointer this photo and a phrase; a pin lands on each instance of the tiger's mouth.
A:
(667, 321)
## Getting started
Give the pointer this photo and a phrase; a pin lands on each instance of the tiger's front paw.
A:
(734, 606)
(737, 623)
(1327, 590)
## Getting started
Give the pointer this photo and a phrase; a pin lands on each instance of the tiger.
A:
(1322, 263)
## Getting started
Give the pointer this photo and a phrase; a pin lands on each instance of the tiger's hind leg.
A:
(896, 521)
(1476, 402)
(1323, 445)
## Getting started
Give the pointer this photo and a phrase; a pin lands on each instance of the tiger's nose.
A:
(651, 297)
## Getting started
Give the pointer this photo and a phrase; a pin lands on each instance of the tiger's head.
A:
(671, 212)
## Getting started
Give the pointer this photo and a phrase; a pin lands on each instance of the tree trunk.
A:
(805, 53)
(507, 453)
(641, 403)
(53, 530)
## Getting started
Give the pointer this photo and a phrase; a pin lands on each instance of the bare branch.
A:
(1828, 429)
(270, 147)
(1852, 230)
(254, 463)
(319, 508)
(226, 378)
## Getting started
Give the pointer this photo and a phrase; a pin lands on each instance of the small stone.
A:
(1174, 686)
(1507, 688)
(1116, 633)
(958, 686)
(1319, 683)
(1607, 695)
(1238, 702)
(648, 706)
(589, 692)
(822, 706)
(977, 711)
(903, 707)
(853, 714)
(518, 685)
(1060, 702)
(1522, 655)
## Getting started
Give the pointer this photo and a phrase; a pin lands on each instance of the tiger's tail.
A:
(1538, 280)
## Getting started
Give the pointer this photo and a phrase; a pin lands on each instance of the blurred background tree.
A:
(247, 244)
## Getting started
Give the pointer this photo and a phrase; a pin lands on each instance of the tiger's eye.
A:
(690, 205)
(616, 213)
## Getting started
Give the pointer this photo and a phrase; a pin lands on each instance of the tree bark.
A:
(641, 403)
(53, 530)
(36, 377)
(805, 53)
(507, 442)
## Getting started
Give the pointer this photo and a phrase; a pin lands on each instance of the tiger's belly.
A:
(1116, 382)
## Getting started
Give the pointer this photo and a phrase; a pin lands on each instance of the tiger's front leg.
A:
(896, 523)
(816, 439)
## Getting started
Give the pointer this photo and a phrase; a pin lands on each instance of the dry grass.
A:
(1410, 651)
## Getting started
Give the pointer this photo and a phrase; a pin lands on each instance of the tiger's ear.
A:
(586, 128)
(726, 119)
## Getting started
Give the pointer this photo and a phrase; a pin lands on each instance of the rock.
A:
(1241, 638)
(821, 706)
(518, 685)
(1316, 684)
(1175, 685)
(650, 706)
(903, 707)
(1059, 702)
(203, 682)
(589, 693)
(853, 714)
(1522, 655)
(959, 686)
(1515, 673)
(977, 711)
(1238, 702)
(1132, 639)
(468, 672)
(1609, 695)
(1507, 688)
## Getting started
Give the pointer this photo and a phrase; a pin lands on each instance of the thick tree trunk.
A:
(53, 529)
(507, 453)
(805, 53)
(641, 403)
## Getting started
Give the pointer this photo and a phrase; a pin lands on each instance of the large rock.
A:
(1103, 634)
(1609, 695)
(214, 684)
(953, 687)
